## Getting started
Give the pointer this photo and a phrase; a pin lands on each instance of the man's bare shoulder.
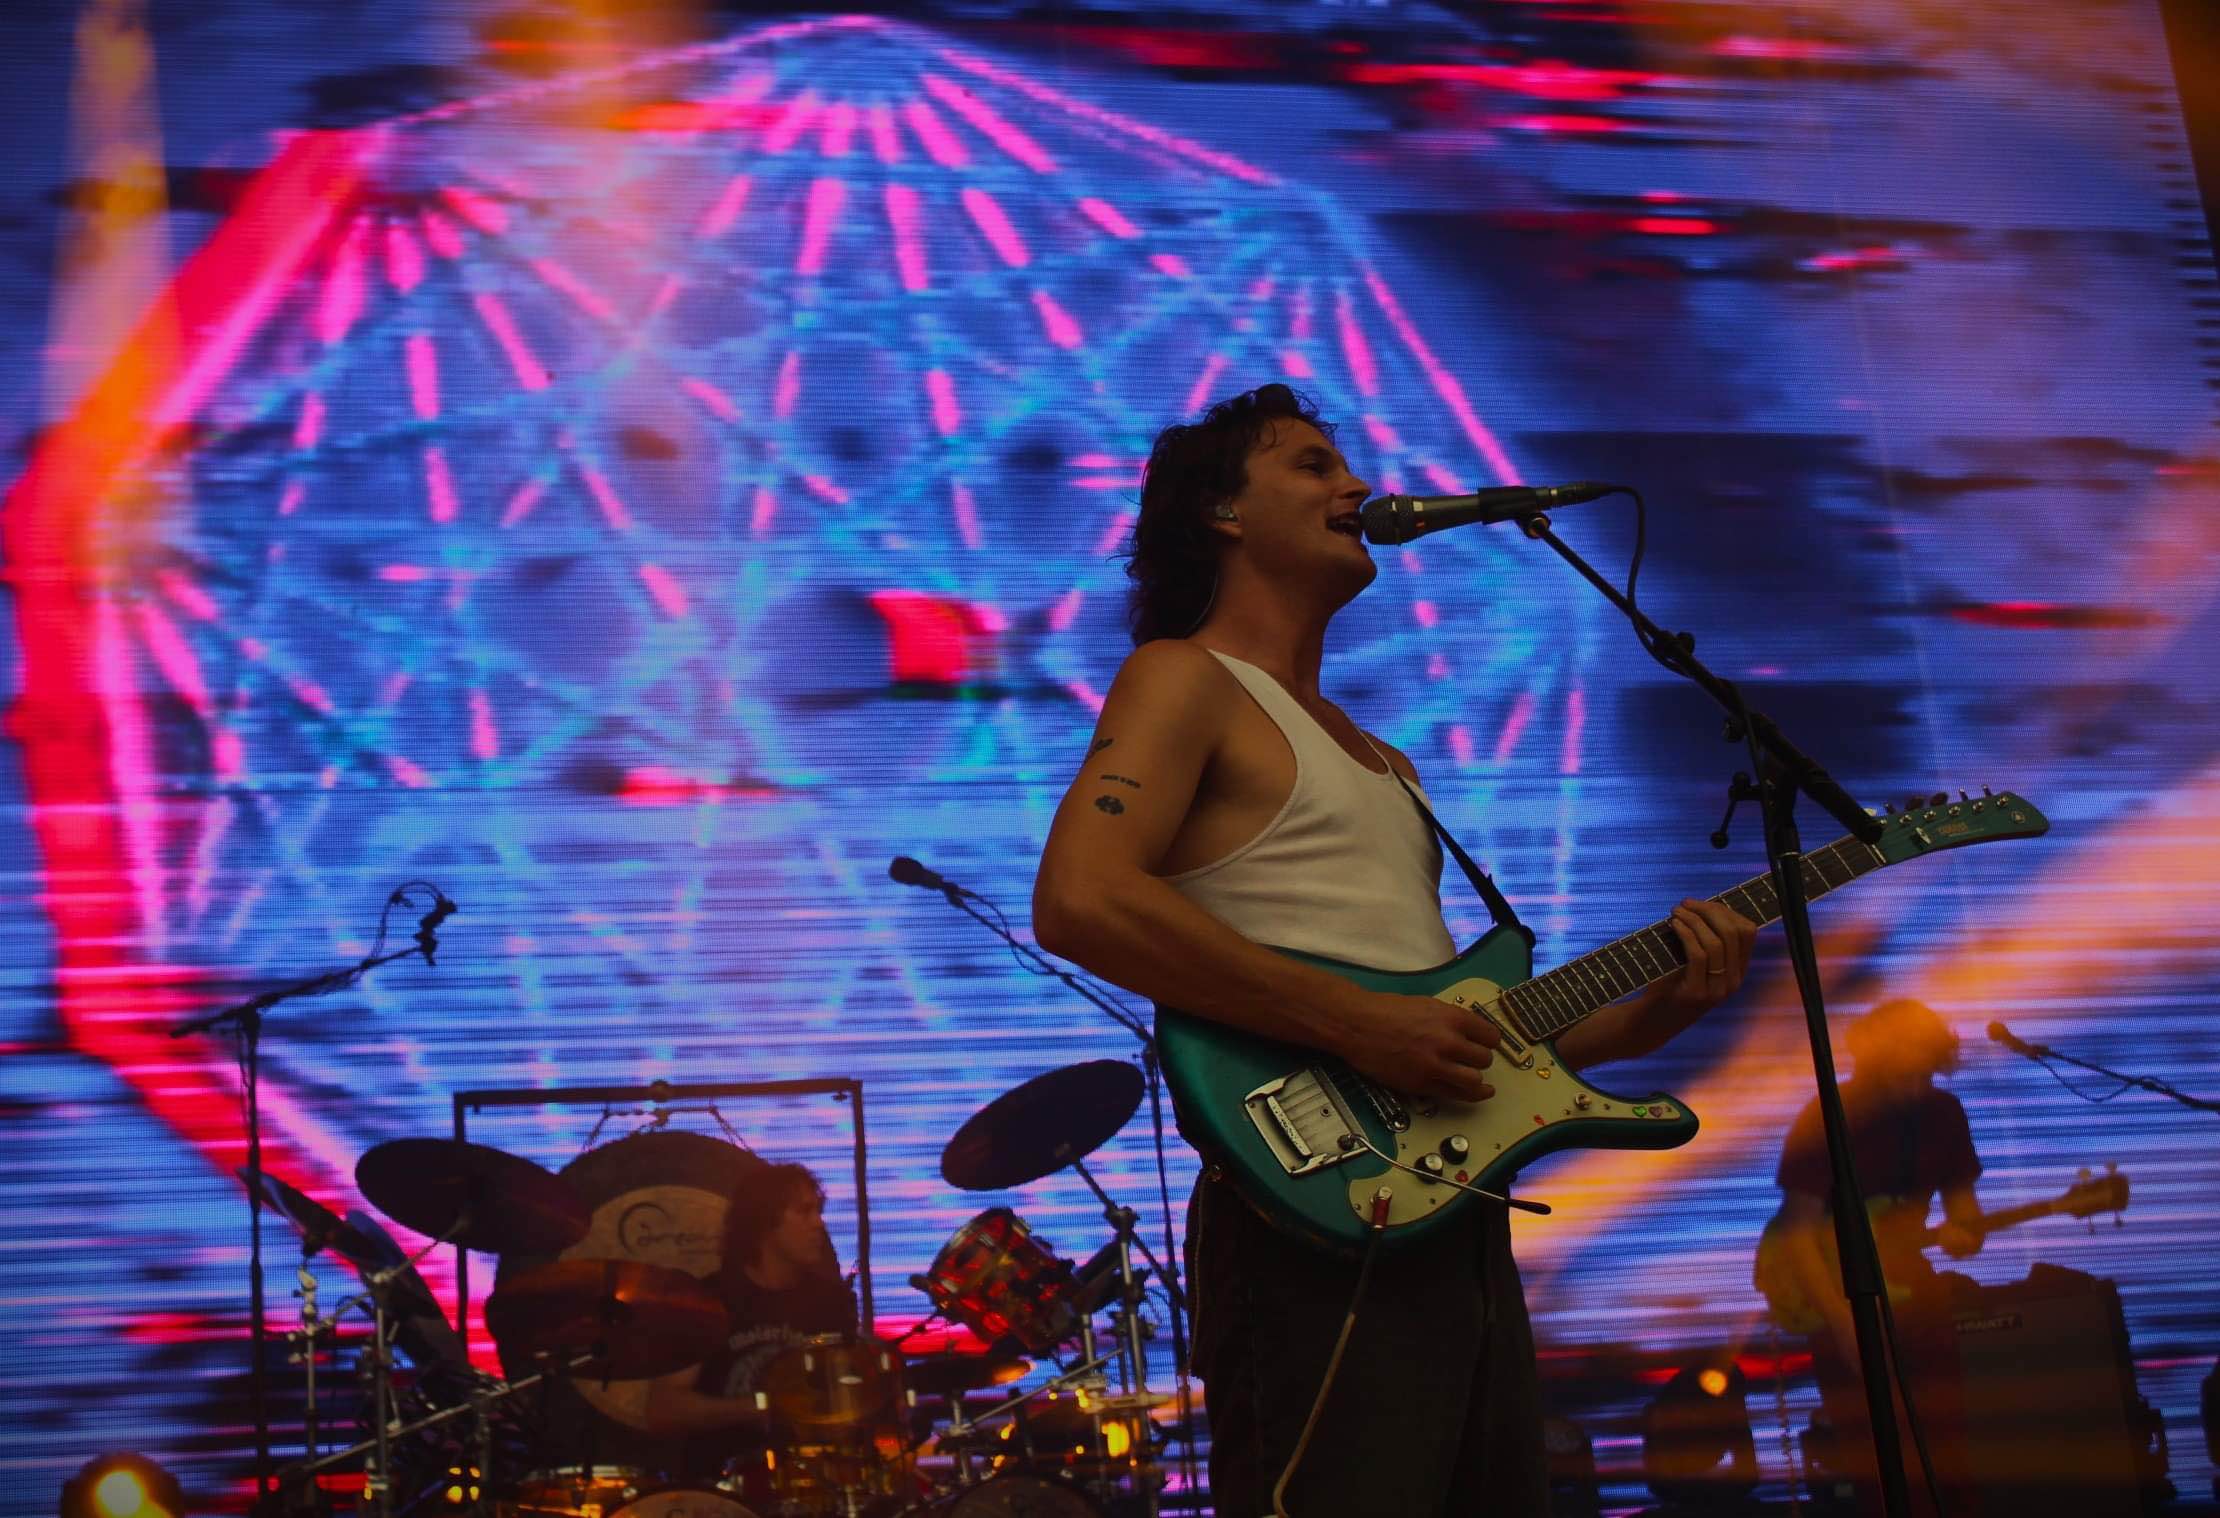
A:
(1395, 756)
(1170, 672)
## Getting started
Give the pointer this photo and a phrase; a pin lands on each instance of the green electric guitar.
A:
(1321, 1150)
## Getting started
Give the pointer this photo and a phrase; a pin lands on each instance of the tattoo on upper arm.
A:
(1099, 745)
(1120, 779)
(1110, 804)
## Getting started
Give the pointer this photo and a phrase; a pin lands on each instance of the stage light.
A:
(122, 1485)
(1697, 1447)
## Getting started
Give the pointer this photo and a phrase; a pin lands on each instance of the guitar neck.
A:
(1997, 1222)
(1548, 1004)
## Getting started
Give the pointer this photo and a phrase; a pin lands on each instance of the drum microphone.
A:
(907, 871)
(1400, 518)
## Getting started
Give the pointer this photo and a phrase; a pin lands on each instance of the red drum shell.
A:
(996, 1279)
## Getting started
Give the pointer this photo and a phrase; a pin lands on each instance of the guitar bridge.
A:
(1303, 1120)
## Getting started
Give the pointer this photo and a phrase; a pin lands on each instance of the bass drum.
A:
(1018, 1495)
(658, 1198)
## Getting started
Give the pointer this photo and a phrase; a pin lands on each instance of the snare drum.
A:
(996, 1279)
(839, 1410)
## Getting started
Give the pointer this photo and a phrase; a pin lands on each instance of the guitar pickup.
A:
(1511, 1048)
(1303, 1121)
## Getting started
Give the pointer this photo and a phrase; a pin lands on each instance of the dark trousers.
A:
(1436, 1411)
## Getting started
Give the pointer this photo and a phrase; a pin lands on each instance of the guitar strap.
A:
(1499, 908)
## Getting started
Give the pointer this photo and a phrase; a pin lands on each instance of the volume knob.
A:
(1454, 1149)
(1431, 1164)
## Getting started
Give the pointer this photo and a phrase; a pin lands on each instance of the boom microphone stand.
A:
(245, 1018)
(1783, 771)
(2043, 1054)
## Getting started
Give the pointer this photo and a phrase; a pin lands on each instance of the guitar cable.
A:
(1356, 1139)
(1377, 1227)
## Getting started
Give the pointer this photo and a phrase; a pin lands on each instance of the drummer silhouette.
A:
(751, 1230)
(780, 1279)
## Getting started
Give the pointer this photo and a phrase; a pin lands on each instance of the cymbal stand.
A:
(960, 1427)
(377, 1486)
(1132, 1365)
(305, 1337)
(479, 1405)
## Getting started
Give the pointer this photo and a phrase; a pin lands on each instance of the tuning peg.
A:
(1888, 808)
(2084, 1173)
(1986, 791)
(1940, 798)
(1962, 796)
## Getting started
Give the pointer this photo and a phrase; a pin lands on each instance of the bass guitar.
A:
(1900, 1233)
(1320, 1150)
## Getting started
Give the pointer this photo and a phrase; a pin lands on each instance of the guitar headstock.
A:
(1925, 827)
(2092, 1194)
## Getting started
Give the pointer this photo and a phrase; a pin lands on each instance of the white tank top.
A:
(1348, 868)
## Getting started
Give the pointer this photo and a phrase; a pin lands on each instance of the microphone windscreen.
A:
(904, 870)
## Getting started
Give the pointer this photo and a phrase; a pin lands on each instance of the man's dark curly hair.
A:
(1173, 562)
(755, 1208)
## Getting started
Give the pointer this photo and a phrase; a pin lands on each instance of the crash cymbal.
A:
(945, 1375)
(1039, 1127)
(643, 1320)
(319, 1227)
(472, 1195)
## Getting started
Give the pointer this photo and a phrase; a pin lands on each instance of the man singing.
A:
(1225, 804)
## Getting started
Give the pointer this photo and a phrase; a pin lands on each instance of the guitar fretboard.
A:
(1547, 1005)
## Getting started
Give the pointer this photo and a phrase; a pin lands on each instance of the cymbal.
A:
(1041, 1126)
(318, 1226)
(420, 1327)
(1117, 1403)
(643, 1319)
(943, 1375)
(472, 1195)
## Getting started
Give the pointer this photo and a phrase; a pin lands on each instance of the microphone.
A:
(1400, 518)
(907, 871)
(427, 926)
(2000, 1034)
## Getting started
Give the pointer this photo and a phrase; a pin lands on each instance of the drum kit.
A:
(835, 1425)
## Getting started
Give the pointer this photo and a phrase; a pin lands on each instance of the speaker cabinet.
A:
(2053, 1421)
